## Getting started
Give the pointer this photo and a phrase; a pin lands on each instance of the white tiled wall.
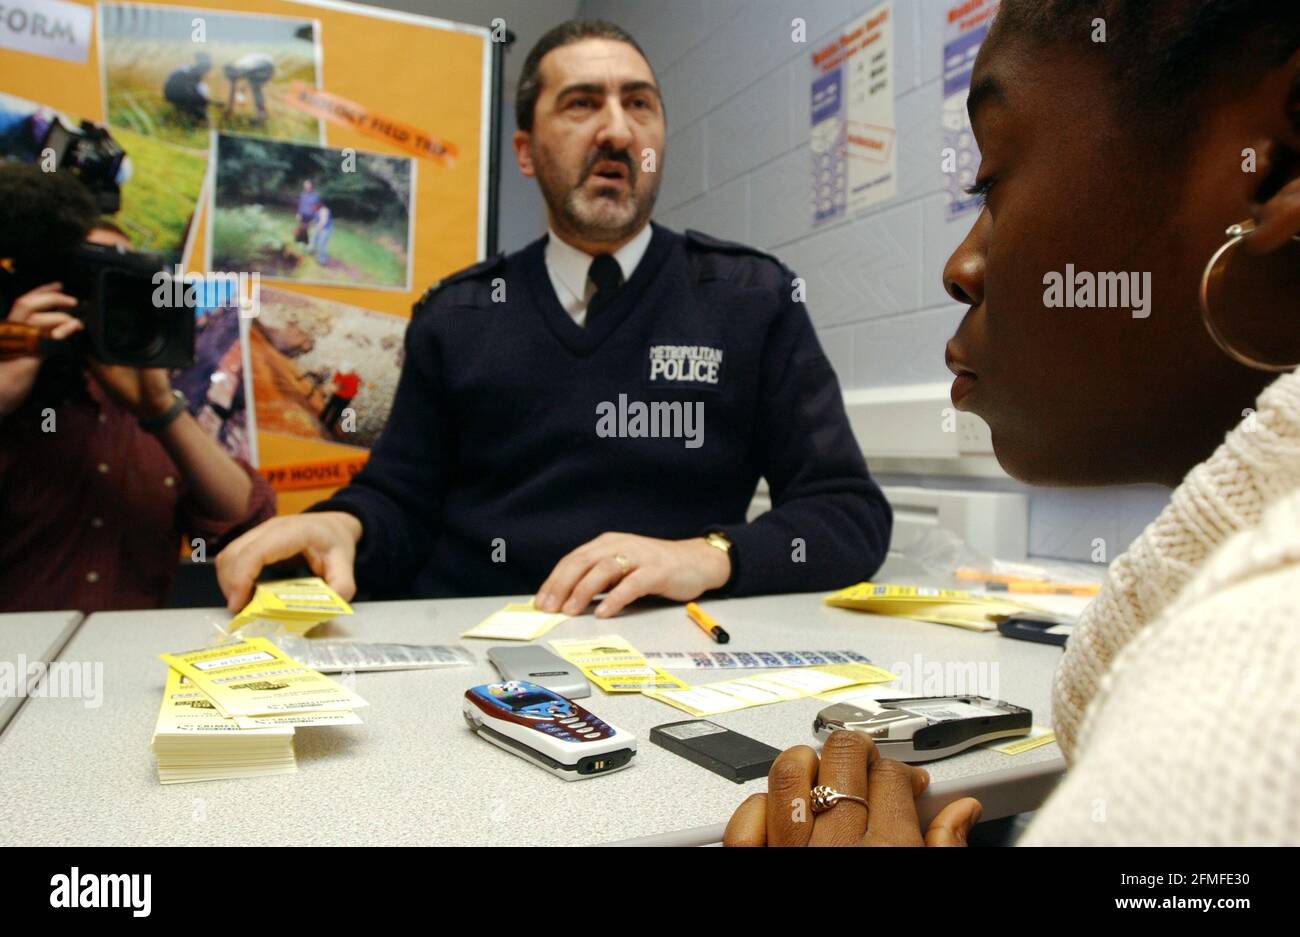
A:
(736, 166)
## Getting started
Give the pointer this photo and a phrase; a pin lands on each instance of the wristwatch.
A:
(155, 424)
(718, 539)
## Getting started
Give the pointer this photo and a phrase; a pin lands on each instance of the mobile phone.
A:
(535, 664)
(547, 730)
(923, 728)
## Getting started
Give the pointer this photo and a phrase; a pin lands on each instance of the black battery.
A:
(736, 757)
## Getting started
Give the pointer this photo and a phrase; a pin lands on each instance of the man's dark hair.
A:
(42, 213)
(1164, 54)
(571, 31)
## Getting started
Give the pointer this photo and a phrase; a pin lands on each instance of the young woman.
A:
(1126, 160)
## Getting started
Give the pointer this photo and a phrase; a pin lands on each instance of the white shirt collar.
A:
(568, 268)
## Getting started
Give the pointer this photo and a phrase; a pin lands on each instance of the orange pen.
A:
(709, 626)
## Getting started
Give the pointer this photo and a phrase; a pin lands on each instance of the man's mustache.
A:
(623, 157)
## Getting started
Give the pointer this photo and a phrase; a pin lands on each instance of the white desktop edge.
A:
(1001, 794)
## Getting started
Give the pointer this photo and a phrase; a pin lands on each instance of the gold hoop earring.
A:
(1257, 286)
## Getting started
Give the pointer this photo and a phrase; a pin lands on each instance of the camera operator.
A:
(102, 468)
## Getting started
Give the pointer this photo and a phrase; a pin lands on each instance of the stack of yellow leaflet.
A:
(943, 606)
(297, 605)
(234, 714)
(194, 742)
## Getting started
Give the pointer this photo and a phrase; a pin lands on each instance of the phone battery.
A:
(736, 757)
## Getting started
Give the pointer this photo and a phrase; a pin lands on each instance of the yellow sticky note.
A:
(1038, 736)
(256, 678)
(518, 621)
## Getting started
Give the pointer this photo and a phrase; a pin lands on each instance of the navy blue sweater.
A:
(517, 435)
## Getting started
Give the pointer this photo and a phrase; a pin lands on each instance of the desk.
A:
(32, 636)
(414, 774)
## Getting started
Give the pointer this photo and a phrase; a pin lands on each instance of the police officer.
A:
(592, 414)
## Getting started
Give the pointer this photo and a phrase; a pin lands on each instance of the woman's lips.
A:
(965, 377)
(962, 385)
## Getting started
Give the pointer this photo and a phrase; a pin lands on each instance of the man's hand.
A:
(328, 540)
(49, 310)
(146, 392)
(675, 569)
(849, 764)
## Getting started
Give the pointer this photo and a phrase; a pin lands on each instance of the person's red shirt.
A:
(91, 514)
(346, 384)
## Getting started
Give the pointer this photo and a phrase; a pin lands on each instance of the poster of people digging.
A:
(311, 214)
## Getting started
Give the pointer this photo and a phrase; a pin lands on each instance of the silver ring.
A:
(824, 798)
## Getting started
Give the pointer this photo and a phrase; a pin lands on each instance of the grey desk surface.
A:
(414, 774)
(27, 637)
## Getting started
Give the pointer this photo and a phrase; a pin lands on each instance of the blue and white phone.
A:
(546, 729)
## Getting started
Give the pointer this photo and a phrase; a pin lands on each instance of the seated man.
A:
(593, 413)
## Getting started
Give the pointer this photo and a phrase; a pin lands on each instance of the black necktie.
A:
(608, 277)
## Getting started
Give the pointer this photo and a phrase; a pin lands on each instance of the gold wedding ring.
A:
(624, 564)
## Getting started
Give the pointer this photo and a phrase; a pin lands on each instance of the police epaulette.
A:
(708, 242)
(469, 273)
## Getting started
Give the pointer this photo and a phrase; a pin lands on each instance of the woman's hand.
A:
(849, 764)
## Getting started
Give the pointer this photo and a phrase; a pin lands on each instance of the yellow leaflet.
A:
(186, 711)
(776, 686)
(859, 673)
(1037, 737)
(614, 665)
(518, 621)
(256, 678)
(942, 606)
(297, 604)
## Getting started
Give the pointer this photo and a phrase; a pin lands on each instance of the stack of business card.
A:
(230, 711)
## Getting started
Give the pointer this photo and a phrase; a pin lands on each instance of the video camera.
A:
(117, 288)
(91, 154)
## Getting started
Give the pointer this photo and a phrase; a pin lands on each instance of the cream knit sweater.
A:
(1177, 703)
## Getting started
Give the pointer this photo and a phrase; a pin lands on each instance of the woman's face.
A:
(1135, 391)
